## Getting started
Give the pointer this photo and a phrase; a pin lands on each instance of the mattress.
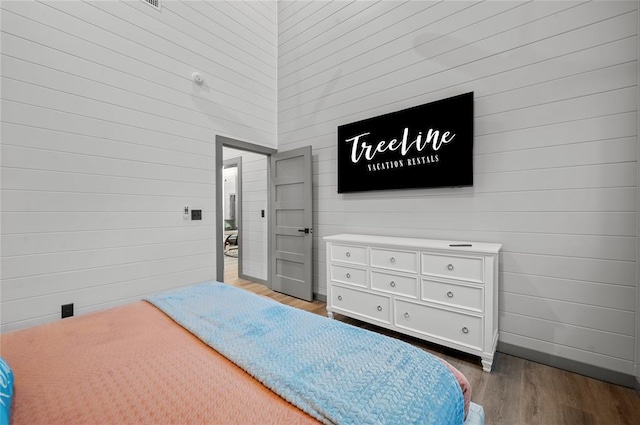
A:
(135, 365)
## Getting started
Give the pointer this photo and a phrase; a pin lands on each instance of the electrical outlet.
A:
(67, 310)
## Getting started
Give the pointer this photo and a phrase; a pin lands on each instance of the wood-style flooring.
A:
(517, 391)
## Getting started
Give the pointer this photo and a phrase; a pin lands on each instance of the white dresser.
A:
(445, 292)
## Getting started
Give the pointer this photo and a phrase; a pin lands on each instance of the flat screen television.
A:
(425, 146)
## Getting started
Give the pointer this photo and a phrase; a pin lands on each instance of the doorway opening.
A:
(232, 216)
(241, 211)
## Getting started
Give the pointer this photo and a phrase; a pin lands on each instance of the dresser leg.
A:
(487, 358)
(330, 314)
(487, 362)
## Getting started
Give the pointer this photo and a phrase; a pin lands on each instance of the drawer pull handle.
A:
(465, 330)
(348, 254)
(379, 308)
(393, 284)
(339, 297)
(406, 315)
(348, 275)
(450, 267)
(393, 260)
(450, 294)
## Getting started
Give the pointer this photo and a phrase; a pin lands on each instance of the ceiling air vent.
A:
(154, 3)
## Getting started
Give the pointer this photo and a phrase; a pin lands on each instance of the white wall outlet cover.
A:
(197, 78)
(185, 213)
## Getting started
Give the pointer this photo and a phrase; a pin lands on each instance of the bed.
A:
(215, 354)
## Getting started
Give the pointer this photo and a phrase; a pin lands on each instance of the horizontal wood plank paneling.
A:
(588, 269)
(618, 199)
(55, 242)
(106, 138)
(583, 292)
(39, 264)
(94, 296)
(263, 35)
(71, 162)
(43, 221)
(68, 282)
(322, 11)
(85, 106)
(33, 201)
(478, 59)
(115, 51)
(601, 223)
(243, 47)
(49, 119)
(60, 51)
(555, 147)
(132, 25)
(62, 141)
(68, 83)
(609, 151)
(600, 318)
(606, 343)
(616, 126)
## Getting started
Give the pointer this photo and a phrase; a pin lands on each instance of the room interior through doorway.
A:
(232, 213)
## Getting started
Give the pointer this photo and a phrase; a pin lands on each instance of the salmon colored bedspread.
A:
(132, 365)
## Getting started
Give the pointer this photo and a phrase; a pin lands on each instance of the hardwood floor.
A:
(517, 391)
(230, 269)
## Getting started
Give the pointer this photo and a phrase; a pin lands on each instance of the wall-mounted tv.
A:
(425, 146)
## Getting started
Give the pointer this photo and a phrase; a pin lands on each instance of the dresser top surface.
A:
(391, 241)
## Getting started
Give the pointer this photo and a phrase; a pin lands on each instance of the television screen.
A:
(426, 146)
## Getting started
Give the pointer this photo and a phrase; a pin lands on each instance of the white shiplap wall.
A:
(555, 147)
(105, 138)
(254, 200)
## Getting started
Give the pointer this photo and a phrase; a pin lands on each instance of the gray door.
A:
(291, 232)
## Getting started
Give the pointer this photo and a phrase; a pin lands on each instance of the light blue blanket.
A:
(337, 373)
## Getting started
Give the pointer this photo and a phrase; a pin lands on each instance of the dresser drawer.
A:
(454, 267)
(349, 254)
(456, 327)
(349, 275)
(394, 284)
(404, 261)
(377, 307)
(455, 295)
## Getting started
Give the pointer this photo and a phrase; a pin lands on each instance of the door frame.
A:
(220, 142)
